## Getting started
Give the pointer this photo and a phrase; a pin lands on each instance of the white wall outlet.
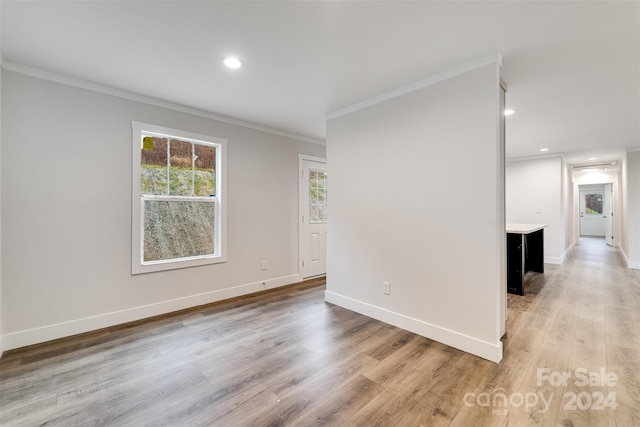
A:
(539, 209)
(263, 265)
(386, 288)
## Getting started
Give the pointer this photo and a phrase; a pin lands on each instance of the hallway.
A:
(582, 314)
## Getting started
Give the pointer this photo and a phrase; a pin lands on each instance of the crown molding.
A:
(536, 157)
(156, 102)
(420, 84)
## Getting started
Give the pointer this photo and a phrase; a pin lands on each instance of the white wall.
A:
(66, 212)
(624, 211)
(538, 191)
(416, 199)
(632, 249)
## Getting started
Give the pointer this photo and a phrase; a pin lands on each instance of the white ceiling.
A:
(573, 68)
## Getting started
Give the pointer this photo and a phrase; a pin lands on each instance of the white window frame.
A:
(138, 265)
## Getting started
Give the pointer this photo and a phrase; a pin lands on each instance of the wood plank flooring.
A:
(287, 358)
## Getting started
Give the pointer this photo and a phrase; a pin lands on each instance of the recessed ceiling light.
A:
(544, 149)
(232, 62)
(508, 111)
(593, 158)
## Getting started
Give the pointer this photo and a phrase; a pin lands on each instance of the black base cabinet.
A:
(525, 252)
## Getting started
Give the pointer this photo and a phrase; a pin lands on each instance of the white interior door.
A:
(313, 218)
(591, 213)
(608, 214)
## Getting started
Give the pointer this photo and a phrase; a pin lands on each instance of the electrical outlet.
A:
(263, 265)
(386, 288)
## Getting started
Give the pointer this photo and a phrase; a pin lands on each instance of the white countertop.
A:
(517, 228)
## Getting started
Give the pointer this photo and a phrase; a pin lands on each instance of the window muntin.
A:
(178, 215)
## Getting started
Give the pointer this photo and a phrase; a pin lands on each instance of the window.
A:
(177, 199)
(317, 196)
(593, 204)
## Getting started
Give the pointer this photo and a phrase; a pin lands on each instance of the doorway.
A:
(596, 211)
(312, 219)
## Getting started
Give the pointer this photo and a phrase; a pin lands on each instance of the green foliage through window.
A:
(177, 168)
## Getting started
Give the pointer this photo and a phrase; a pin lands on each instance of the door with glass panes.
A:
(313, 218)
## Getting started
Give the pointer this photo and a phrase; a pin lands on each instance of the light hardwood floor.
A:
(285, 357)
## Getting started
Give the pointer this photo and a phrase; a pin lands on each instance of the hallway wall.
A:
(631, 187)
(539, 191)
(394, 218)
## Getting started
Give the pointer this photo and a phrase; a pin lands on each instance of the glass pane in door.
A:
(593, 204)
(317, 197)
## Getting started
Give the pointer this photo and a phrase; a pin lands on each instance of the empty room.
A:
(331, 213)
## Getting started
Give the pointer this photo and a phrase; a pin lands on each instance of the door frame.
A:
(607, 177)
(608, 211)
(301, 159)
(595, 189)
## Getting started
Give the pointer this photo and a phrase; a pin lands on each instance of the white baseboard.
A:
(631, 264)
(624, 255)
(87, 324)
(489, 351)
(558, 260)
